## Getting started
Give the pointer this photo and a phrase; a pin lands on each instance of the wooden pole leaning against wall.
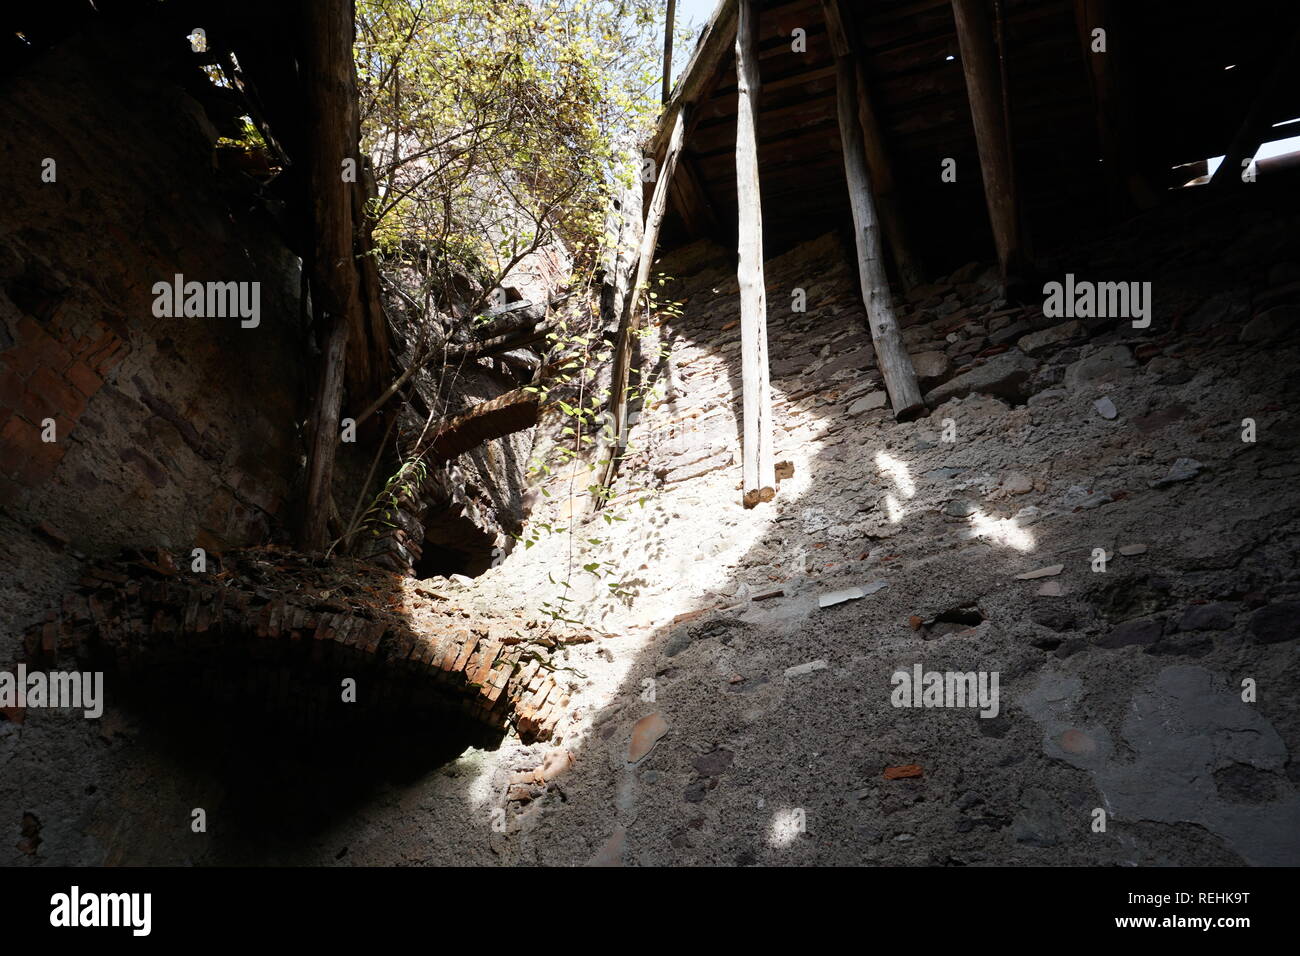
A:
(669, 17)
(757, 451)
(1128, 185)
(882, 184)
(879, 168)
(983, 86)
(332, 104)
(895, 364)
(629, 321)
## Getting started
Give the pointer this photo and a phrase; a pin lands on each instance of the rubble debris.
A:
(1183, 469)
(1003, 375)
(645, 734)
(1054, 337)
(1047, 572)
(799, 670)
(831, 598)
(527, 785)
(905, 772)
(869, 403)
(1275, 323)
(1275, 623)
(30, 831)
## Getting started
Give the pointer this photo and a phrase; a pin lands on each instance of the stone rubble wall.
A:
(971, 536)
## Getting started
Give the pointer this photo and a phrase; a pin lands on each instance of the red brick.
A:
(53, 355)
(24, 456)
(113, 360)
(34, 406)
(17, 441)
(37, 347)
(106, 353)
(65, 398)
(100, 349)
(905, 772)
(84, 379)
(11, 388)
(53, 533)
(29, 330)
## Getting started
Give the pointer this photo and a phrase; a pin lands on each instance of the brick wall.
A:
(167, 432)
(47, 374)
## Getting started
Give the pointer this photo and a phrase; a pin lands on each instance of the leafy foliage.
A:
(496, 126)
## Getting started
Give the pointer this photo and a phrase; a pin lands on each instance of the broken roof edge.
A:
(710, 52)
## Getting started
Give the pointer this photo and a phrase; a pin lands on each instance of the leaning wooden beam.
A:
(504, 415)
(983, 86)
(332, 105)
(891, 356)
(669, 17)
(878, 165)
(699, 76)
(759, 460)
(527, 335)
(701, 79)
(629, 322)
(1116, 134)
(882, 181)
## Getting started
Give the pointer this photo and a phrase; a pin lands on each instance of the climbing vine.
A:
(585, 426)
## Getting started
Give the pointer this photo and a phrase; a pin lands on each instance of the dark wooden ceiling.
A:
(1184, 106)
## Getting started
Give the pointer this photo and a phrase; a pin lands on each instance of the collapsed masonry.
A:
(277, 631)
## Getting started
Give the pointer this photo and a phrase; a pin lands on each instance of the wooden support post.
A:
(1128, 185)
(629, 322)
(983, 86)
(759, 460)
(698, 79)
(332, 105)
(882, 182)
(878, 165)
(891, 356)
(668, 49)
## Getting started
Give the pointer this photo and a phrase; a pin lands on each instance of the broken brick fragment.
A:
(904, 772)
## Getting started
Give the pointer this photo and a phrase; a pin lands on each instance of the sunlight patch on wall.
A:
(898, 473)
